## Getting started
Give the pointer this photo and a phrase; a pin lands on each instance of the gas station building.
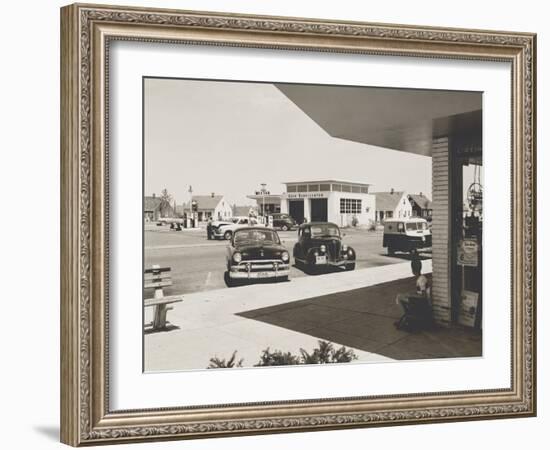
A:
(338, 201)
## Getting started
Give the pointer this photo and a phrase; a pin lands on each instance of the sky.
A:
(229, 137)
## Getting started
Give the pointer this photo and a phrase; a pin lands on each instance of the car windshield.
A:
(412, 226)
(256, 237)
(324, 230)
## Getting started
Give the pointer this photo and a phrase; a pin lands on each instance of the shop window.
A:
(356, 189)
(313, 188)
(301, 188)
(324, 187)
(350, 206)
(346, 188)
(337, 187)
(291, 188)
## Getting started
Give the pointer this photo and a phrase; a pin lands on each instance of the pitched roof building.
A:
(421, 205)
(392, 205)
(156, 207)
(212, 205)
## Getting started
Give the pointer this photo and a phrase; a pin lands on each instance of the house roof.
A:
(421, 200)
(387, 201)
(151, 203)
(206, 202)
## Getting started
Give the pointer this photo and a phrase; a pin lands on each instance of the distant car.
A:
(320, 246)
(283, 221)
(406, 235)
(256, 253)
(225, 229)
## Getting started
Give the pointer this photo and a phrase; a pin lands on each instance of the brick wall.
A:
(441, 223)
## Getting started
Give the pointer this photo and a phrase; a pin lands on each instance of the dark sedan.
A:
(320, 246)
(256, 253)
(283, 221)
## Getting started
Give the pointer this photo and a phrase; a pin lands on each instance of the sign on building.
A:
(467, 254)
(468, 308)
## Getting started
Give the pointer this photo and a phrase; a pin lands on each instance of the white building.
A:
(212, 205)
(392, 205)
(342, 202)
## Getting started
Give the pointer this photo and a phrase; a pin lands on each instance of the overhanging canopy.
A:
(395, 118)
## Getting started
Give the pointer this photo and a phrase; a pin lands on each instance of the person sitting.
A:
(417, 306)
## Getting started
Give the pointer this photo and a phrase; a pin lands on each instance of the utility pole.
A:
(190, 204)
(263, 191)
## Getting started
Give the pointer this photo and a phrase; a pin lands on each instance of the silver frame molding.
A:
(86, 31)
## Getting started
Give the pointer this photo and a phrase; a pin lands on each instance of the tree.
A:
(165, 196)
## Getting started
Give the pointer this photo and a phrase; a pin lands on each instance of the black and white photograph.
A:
(288, 224)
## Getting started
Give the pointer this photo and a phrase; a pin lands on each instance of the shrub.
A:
(217, 363)
(277, 358)
(325, 353)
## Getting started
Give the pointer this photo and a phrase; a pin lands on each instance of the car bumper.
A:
(340, 263)
(218, 233)
(324, 260)
(256, 270)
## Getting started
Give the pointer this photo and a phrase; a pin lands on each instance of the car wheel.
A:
(227, 235)
(391, 251)
(284, 228)
(350, 266)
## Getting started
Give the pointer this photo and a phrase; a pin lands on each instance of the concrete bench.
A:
(158, 278)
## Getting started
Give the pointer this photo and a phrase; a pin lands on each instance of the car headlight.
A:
(285, 256)
(237, 257)
(344, 248)
(323, 248)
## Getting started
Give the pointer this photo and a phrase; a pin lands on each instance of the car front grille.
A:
(260, 265)
(333, 249)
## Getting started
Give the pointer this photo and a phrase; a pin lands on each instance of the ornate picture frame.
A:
(86, 34)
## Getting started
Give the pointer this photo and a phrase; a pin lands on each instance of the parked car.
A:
(256, 253)
(407, 235)
(320, 246)
(225, 229)
(283, 221)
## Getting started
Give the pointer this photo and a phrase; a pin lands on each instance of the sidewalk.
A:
(364, 319)
(348, 308)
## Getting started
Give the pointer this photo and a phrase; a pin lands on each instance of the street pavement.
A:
(198, 264)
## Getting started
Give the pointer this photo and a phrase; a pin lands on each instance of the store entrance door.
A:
(319, 210)
(296, 210)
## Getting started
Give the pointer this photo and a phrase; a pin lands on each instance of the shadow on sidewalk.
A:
(364, 319)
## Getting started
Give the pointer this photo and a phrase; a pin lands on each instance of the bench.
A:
(158, 278)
